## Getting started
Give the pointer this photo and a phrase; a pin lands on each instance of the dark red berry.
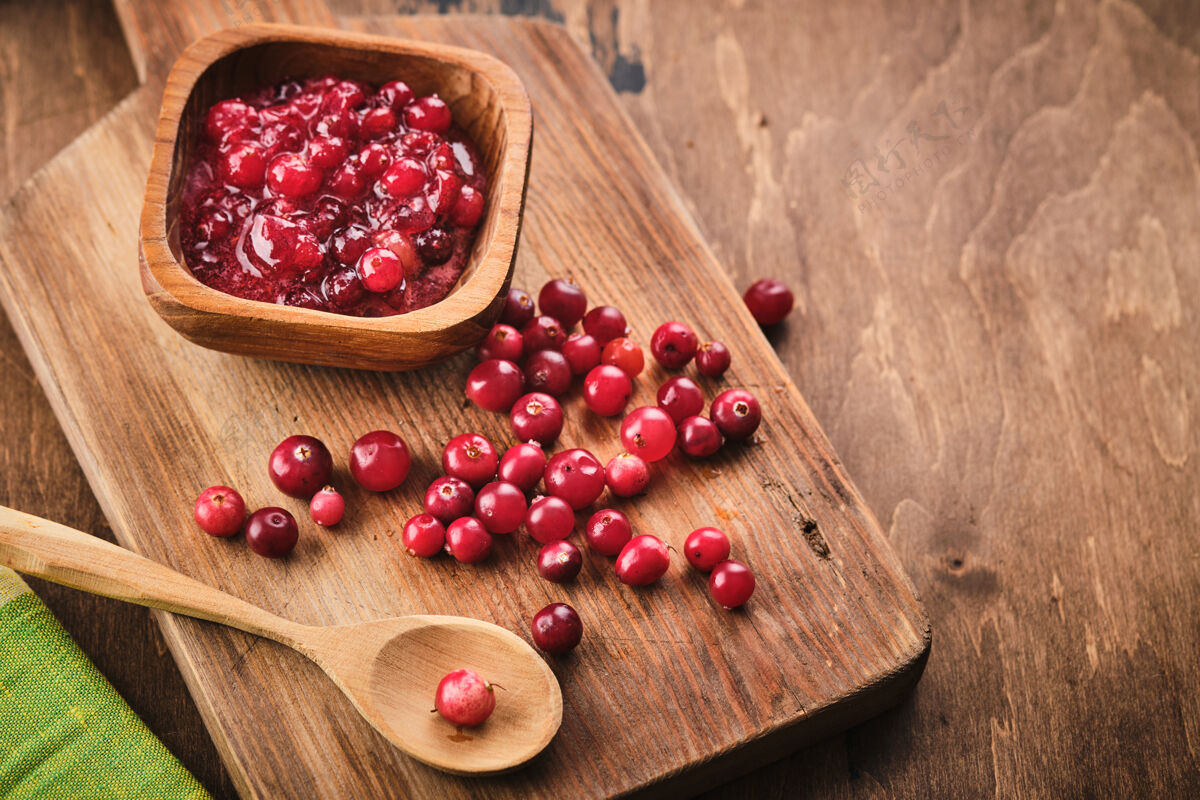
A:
(576, 476)
(291, 176)
(548, 371)
(559, 562)
(673, 344)
(699, 437)
(563, 300)
(464, 698)
(712, 359)
(428, 114)
(704, 548)
(643, 560)
(648, 432)
(736, 413)
(731, 583)
(606, 390)
(549, 519)
(627, 475)
(220, 511)
(424, 536)
(605, 323)
(272, 532)
(543, 333)
(680, 398)
(769, 301)
(518, 308)
(582, 353)
(557, 629)
(379, 461)
(537, 417)
(500, 506)
(504, 342)
(624, 353)
(327, 507)
(495, 385)
(608, 531)
(468, 541)
(470, 457)
(449, 498)
(523, 464)
(300, 465)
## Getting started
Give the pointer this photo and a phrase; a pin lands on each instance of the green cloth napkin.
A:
(64, 730)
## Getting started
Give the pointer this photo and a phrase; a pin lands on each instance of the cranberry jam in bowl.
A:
(332, 198)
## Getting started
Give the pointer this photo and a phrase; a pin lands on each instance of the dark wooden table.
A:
(990, 216)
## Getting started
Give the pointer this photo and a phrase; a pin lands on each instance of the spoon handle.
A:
(59, 554)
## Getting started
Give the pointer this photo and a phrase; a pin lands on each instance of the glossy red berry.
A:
(468, 541)
(559, 562)
(608, 531)
(272, 532)
(576, 476)
(468, 208)
(244, 165)
(289, 175)
(557, 629)
(699, 437)
(495, 384)
(464, 698)
(648, 432)
(300, 465)
(543, 333)
(731, 583)
(582, 353)
(563, 300)
(673, 344)
(504, 342)
(404, 178)
(736, 413)
(549, 519)
(424, 536)
(523, 465)
(680, 398)
(220, 511)
(606, 390)
(625, 354)
(627, 475)
(500, 506)
(605, 323)
(449, 498)
(769, 301)
(327, 507)
(470, 457)
(380, 270)
(536, 417)
(518, 308)
(712, 359)
(428, 114)
(704, 548)
(548, 371)
(643, 560)
(379, 461)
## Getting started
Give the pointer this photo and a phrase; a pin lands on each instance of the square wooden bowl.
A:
(486, 98)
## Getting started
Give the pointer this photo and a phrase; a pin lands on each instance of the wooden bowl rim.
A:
(467, 299)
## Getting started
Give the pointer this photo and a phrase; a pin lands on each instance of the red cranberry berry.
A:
(549, 519)
(404, 178)
(606, 390)
(731, 583)
(769, 301)
(495, 384)
(428, 114)
(503, 341)
(523, 464)
(624, 353)
(736, 413)
(712, 359)
(518, 308)
(576, 476)
(291, 176)
(548, 371)
(673, 344)
(380, 270)
(643, 560)
(627, 475)
(228, 116)
(374, 159)
(500, 506)
(464, 698)
(424, 536)
(680, 398)
(543, 333)
(608, 531)
(379, 461)
(300, 465)
(557, 629)
(272, 532)
(435, 245)
(327, 507)
(347, 182)
(537, 417)
(377, 122)
(449, 498)
(220, 511)
(468, 541)
(468, 208)
(326, 151)
(245, 165)
(395, 94)
(648, 432)
(704, 548)
(559, 562)
(470, 457)
(563, 300)
(699, 437)
(605, 323)
(582, 353)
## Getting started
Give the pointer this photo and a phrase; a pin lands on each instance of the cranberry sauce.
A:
(327, 194)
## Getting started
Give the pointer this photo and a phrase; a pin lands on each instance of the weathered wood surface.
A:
(1028, 437)
(835, 632)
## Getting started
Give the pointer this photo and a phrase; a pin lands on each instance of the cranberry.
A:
(680, 398)
(428, 114)
(470, 457)
(327, 507)
(500, 506)
(712, 359)
(518, 308)
(228, 116)
(220, 511)
(625, 354)
(557, 629)
(582, 353)
(347, 182)
(648, 432)
(424, 536)
(468, 541)
(543, 333)
(449, 498)
(380, 270)
(290, 175)
(468, 208)
(435, 245)
(379, 461)
(559, 562)
(548, 371)
(271, 532)
(404, 178)
(464, 698)
(377, 122)
(731, 583)
(395, 94)
(704, 548)
(245, 166)
(523, 464)
(673, 344)
(605, 323)
(537, 417)
(503, 341)
(444, 196)
(400, 245)
(375, 158)
(606, 390)
(736, 413)
(627, 475)
(326, 151)
(563, 300)
(576, 476)
(495, 384)
(549, 519)
(769, 301)
(608, 531)
(643, 560)
(699, 437)
(300, 465)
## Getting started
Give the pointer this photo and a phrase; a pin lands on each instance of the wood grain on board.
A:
(665, 681)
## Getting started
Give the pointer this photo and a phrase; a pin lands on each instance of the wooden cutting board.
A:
(667, 692)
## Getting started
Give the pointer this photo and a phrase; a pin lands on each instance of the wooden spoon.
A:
(389, 668)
